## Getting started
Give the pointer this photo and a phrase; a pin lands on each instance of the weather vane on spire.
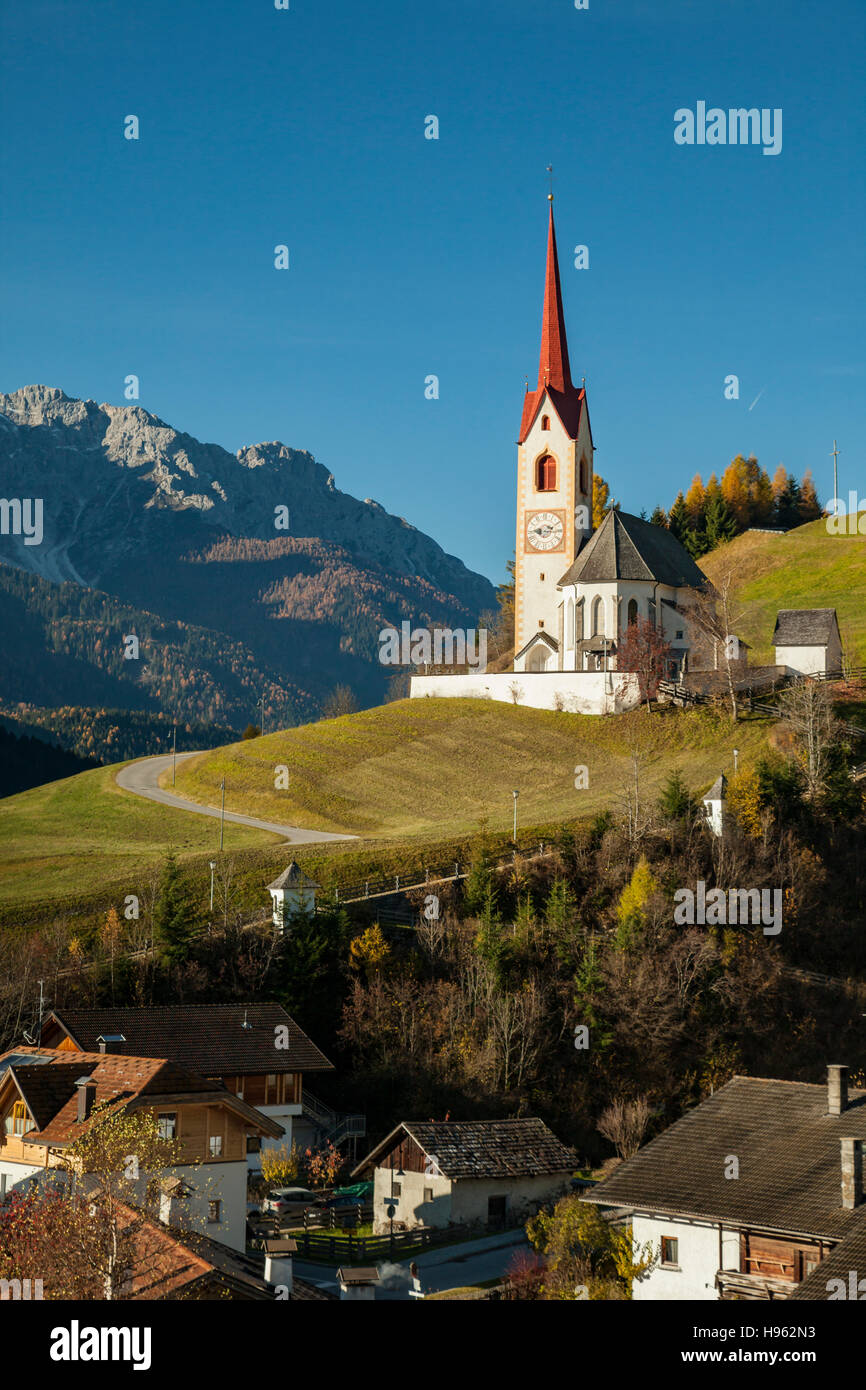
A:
(550, 172)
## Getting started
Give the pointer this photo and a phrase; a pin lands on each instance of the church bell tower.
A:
(554, 484)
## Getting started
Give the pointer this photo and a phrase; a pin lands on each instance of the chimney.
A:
(86, 1097)
(852, 1173)
(278, 1263)
(837, 1090)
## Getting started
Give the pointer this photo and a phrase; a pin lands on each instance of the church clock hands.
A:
(545, 530)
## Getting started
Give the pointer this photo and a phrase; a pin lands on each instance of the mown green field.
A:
(67, 837)
(412, 779)
(438, 767)
(808, 568)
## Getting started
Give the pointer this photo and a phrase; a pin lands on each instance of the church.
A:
(576, 589)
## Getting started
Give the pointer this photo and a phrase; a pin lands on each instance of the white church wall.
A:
(577, 692)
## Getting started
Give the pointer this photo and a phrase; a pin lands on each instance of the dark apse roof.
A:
(625, 547)
(789, 1152)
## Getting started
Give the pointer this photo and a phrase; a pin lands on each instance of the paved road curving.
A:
(142, 778)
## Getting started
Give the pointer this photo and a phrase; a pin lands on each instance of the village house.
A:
(47, 1099)
(757, 1190)
(486, 1172)
(256, 1051)
(808, 642)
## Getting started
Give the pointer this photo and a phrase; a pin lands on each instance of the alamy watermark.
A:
(737, 906)
(22, 516)
(438, 646)
(736, 126)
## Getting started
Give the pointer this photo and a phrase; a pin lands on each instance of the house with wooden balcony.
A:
(257, 1051)
(757, 1193)
(47, 1100)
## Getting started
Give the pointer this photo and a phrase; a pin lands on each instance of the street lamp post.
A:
(222, 813)
(173, 754)
(515, 794)
(212, 867)
(736, 758)
(263, 714)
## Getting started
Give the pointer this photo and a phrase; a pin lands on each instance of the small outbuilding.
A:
(807, 641)
(487, 1172)
(291, 893)
(714, 804)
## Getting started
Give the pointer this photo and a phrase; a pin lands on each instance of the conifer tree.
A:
(678, 522)
(810, 507)
(173, 915)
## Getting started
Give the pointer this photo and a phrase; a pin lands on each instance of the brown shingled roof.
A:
(483, 1148)
(789, 1154)
(206, 1038)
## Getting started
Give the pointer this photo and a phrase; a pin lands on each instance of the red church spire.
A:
(554, 372)
(553, 368)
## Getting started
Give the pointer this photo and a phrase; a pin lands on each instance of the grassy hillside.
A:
(66, 837)
(808, 568)
(436, 767)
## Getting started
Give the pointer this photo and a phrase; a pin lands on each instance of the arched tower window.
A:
(584, 477)
(545, 474)
(545, 422)
(597, 618)
(632, 611)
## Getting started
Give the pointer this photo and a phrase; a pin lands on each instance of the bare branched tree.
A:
(624, 1124)
(808, 707)
(710, 614)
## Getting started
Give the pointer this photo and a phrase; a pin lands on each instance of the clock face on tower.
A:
(545, 530)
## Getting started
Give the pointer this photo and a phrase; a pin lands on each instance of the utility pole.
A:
(222, 813)
(835, 456)
(173, 754)
(515, 794)
(212, 867)
(263, 714)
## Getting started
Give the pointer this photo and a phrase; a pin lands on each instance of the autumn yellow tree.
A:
(695, 499)
(602, 501)
(370, 950)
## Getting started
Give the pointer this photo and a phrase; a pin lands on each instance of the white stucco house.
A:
(748, 1194)
(808, 642)
(485, 1172)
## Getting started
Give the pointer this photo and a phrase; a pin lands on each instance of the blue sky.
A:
(413, 256)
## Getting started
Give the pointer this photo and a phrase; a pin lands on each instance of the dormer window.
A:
(545, 474)
(545, 422)
(18, 1121)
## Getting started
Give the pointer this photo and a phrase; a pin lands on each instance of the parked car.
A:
(288, 1201)
(347, 1196)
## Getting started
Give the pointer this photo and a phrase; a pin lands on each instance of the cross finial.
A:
(550, 172)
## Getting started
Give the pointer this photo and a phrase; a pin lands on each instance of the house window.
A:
(679, 634)
(541, 576)
(17, 1121)
(428, 1194)
(545, 422)
(545, 474)
(396, 1189)
(167, 1125)
(215, 1144)
(670, 1251)
(213, 1213)
(254, 1144)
